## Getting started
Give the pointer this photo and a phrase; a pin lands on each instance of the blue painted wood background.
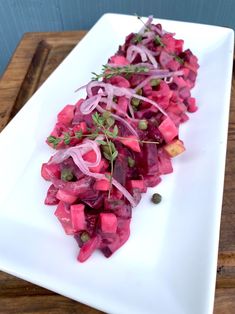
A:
(20, 16)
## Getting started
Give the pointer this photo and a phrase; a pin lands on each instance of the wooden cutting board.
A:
(36, 56)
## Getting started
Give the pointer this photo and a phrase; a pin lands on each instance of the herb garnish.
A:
(158, 41)
(109, 71)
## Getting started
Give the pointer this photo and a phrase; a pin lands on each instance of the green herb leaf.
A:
(177, 58)
(114, 154)
(54, 140)
(109, 134)
(158, 41)
(67, 138)
(78, 134)
(107, 156)
(115, 131)
(101, 142)
(98, 119)
(137, 39)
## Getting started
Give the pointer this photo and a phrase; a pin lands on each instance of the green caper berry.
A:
(143, 124)
(66, 175)
(154, 82)
(131, 162)
(135, 102)
(84, 237)
(156, 198)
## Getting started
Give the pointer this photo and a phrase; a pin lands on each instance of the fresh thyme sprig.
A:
(158, 41)
(103, 123)
(177, 58)
(109, 71)
(146, 26)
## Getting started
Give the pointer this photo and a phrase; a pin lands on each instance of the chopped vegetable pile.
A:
(118, 141)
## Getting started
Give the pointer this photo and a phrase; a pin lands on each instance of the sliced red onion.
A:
(156, 30)
(135, 49)
(81, 87)
(127, 195)
(93, 84)
(81, 149)
(168, 80)
(150, 55)
(158, 76)
(90, 104)
(131, 110)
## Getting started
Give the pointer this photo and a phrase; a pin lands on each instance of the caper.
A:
(84, 237)
(143, 124)
(156, 198)
(66, 175)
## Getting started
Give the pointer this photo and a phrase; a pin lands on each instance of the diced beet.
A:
(122, 235)
(117, 193)
(192, 104)
(136, 195)
(168, 129)
(122, 105)
(51, 196)
(151, 181)
(184, 92)
(173, 65)
(164, 59)
(81, 188)
(63, 214)
(176, 118)
(66, 115)
(183, 117)
(108, 222)
(131, 142)
(150, 158)
(138, 184)
(88, 248)
(119, 81)
(112, 203)
(147, 90)
(120, 169)
(66, 197)
(120, 60)
(49, 171)
(164, 162)
(81, 127)
(102, 166)
(96, 201)
(102, 185)
(78, 217)
(178, 45)
(69, 164)
(90, 156)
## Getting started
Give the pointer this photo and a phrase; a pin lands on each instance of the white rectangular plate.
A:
(169, 263)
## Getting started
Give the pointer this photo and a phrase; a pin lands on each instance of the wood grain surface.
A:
(36, 56)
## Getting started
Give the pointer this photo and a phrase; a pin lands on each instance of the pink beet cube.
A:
(168, 129)
(108, 222)
(78, 217)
